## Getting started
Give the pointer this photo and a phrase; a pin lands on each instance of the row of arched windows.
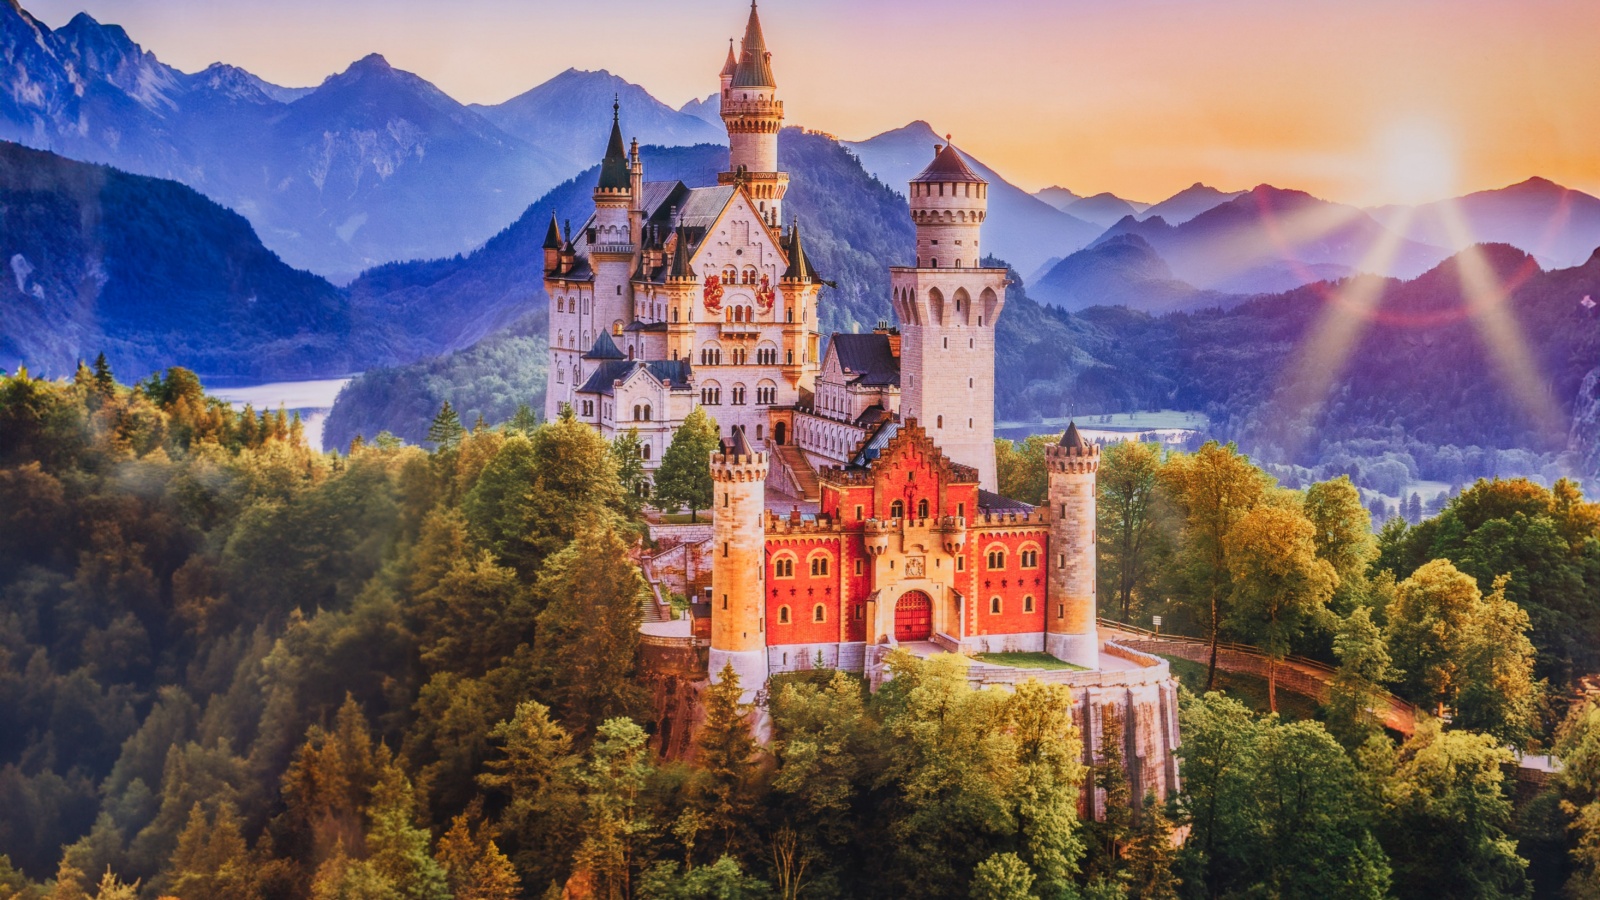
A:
(818, 561)
(995, 605)
(819, 613)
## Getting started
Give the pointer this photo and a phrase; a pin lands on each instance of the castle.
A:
(854, 501)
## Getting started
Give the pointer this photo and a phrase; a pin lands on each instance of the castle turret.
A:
(613, 242)
(728, 68)
(1070, 619)
(552, 245)
(754, 115)
(738, 569)
(947, 305)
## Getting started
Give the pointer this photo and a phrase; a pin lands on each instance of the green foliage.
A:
(684, 478)
(1274, 808)
(727, 749)
(1020, 468)
(1445, 818)
(1133, 524)
(1578, 746)
(1003, 876)
(722, 880)
(445, 431)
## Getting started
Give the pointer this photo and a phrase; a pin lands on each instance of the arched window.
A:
(819, 614)
(637, 410)
(994, 605)
(897, 510)
(1027, 604)
(644, 451)
(922, 509)
(783, 615)
(1030, 559)
(647, 412)
(819, 565)
(785, 567)
(997, 559)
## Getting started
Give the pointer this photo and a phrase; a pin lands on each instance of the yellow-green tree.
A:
(1279, 583)
(1129, 526)
(684, 478)
(1578, 746)
(1212, 489)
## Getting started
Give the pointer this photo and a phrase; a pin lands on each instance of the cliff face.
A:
(1584, 436)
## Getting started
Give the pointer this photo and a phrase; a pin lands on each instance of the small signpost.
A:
(1155, 622)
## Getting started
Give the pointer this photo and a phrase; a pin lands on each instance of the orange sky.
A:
(1353, 100)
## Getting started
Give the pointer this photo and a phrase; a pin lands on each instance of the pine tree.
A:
(475, 867)
(1414, 509)
(1110, 832)
(617, 823)
(1150, 855)
(399, 848)
(446, 431)
(104, 383)
(684, 478)
(727, 749)
(535, 773)
(524, 420)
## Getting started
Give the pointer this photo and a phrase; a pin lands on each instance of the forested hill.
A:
(151, 272)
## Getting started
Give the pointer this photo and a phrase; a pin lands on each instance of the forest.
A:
(235, 667)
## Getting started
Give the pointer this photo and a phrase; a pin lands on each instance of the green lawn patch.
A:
(1250, 690)
(1025, 661)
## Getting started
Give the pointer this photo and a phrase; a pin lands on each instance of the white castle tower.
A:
(754, 114)
(738, 567)
(1070, 630)
(947, 306)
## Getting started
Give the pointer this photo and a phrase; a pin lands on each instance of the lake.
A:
(311, 399)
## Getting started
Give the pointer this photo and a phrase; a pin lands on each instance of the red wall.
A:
(804, 591)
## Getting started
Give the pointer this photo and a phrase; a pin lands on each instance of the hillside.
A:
(153, 274)
(1123, 271)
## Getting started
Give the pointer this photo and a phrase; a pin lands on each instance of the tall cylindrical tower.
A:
(947, 306)
(1070, 632)
(738, 568)
(754, 115)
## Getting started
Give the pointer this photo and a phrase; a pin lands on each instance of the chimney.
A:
(894, 343)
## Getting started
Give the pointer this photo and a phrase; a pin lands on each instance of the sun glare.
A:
(1415, 162)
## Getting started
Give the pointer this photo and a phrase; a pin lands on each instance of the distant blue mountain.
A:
(570, 116)
(1021, 228)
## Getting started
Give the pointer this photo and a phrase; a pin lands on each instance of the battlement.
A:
(1038, 517)
(1082, 459)
(738, 466)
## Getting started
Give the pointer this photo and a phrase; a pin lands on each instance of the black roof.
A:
(799, 266)
(867, 358)
(614, 172)
(993, 502)
(604, 348)
(737, 446)
(552, 238)
(604, 379)
(1072, 438)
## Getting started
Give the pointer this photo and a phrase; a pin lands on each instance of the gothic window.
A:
(922, 509)
(897, 510)
(819, 614)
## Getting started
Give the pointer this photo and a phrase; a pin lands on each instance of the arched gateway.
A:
(913, 617)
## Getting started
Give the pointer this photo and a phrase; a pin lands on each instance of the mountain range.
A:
(1558, 225)
(1020, 227)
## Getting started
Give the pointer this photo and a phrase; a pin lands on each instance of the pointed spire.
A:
(732, 65)
(552, 237)
(738, 446)
(680, 256)
(755, 64)
(799, 267)
(614, 167)
(1072, 440)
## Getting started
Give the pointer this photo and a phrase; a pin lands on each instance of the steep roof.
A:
(605, 378)
(755, 65)
(867, 358)
(737, 445)
(552, 238)
(614, 173)
(1072, 439)
(604, 348)
(948, 166)
(799, 267)
(732, 65)
(993, 502)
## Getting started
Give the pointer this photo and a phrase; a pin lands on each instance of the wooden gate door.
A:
(913, 617)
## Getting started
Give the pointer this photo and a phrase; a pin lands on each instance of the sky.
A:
(1361, 101)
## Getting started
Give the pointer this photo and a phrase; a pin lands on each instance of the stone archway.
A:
(913, 617)
(780, 431)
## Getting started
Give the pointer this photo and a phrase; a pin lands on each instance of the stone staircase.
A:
(652, 612)
(801, 474)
